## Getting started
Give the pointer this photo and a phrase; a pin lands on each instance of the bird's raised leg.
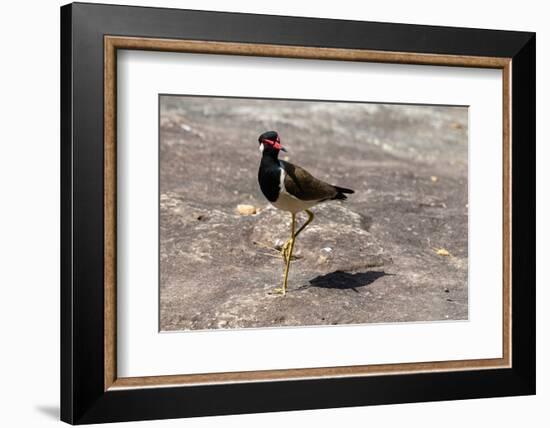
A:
(287, 254)
(286, 247)
(310, 217)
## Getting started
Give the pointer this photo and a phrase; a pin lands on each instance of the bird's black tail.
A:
(341, 191)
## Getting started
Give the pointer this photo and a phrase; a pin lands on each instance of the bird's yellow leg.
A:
(286, 246)
(285, 249)
(287, 255)
(310, 217)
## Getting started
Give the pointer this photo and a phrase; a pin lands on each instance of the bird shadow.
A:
(345, 280)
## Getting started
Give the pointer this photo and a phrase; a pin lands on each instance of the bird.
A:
(291, 188)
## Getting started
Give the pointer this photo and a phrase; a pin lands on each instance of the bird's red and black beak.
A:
(276, 144)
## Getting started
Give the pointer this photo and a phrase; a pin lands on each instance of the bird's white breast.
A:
(288, 202)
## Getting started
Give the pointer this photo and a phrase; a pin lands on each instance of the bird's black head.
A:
(270, 141)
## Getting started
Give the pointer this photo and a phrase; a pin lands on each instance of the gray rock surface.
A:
(369, 259)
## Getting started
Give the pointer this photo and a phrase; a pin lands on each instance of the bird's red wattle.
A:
(276, 145)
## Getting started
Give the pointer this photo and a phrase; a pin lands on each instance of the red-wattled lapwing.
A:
(291, 188)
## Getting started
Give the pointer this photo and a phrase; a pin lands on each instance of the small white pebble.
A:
(327, 249)
(185, 127)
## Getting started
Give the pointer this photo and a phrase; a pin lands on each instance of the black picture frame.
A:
(83, 398)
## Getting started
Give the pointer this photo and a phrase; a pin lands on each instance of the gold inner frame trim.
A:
(113, 43)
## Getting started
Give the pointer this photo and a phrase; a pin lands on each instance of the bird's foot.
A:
(281, 291)
(285, 250)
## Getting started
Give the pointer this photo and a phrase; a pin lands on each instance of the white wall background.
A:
(29, 214)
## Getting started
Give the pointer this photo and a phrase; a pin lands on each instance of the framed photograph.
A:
(266, 213)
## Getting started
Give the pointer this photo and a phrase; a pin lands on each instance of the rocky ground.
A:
(395, 251)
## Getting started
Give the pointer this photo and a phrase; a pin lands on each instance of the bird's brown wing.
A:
(304, 186)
